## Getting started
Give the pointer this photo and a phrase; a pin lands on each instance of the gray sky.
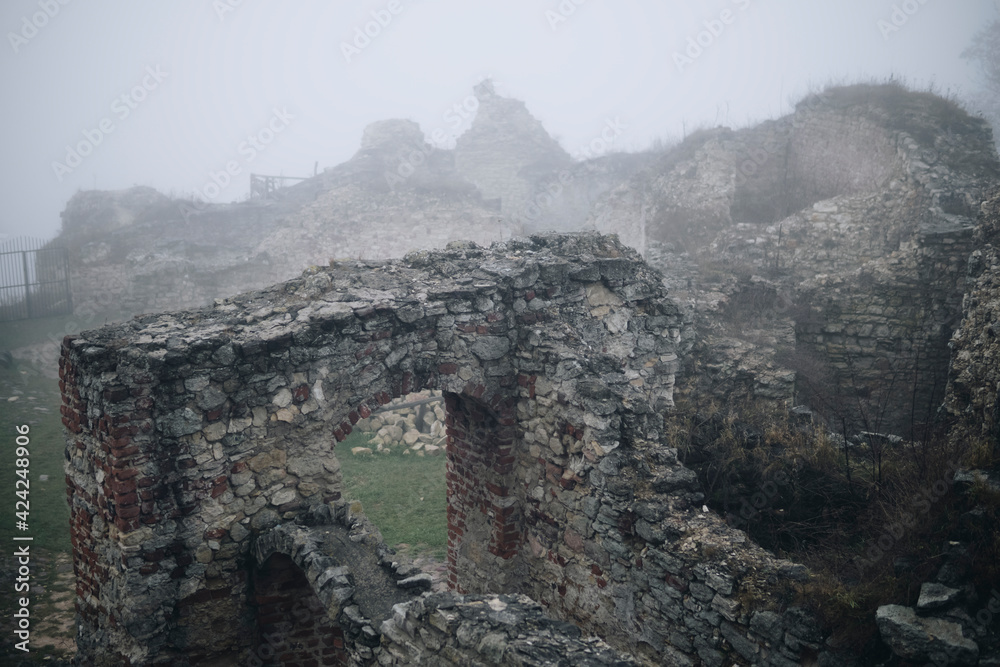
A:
(183, 85)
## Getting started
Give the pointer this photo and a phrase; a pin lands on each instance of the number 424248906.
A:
(21, 470)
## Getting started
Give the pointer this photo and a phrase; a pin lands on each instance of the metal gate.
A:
(34, 280)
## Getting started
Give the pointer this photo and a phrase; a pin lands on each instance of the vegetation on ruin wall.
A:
(867, 519)
(403, 494)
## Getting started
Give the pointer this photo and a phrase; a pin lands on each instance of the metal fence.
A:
(34, 280)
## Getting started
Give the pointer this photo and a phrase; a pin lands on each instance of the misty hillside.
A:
(829, 231)
(398, 193)
(396, 333)
(819, 260)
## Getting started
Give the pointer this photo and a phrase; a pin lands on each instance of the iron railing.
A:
(34, 280)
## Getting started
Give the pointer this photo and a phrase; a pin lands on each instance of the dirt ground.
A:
(52, 614)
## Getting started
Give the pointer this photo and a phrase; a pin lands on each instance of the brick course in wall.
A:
(201, 443)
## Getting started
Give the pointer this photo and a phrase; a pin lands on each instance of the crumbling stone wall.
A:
(973, 398)
(413, 424)
(848, 222)
(201, 444)
(451, 629)
(506, 150)
(138, 251)
(821, 151)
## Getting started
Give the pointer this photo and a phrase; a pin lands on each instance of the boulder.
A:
(936, 596)
(918, 639)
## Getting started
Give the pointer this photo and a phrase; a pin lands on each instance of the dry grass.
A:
(854, 518)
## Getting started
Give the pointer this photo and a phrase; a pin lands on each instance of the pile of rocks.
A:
(451, 629)
(950, 624)
(953, 622)
(412, 424)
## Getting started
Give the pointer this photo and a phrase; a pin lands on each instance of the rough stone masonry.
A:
(208, 525)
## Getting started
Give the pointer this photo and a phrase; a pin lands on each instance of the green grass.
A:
(51, 329)
(32, 384)
(404, 495)
(37, 408)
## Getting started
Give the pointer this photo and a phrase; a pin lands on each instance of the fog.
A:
(108, 95)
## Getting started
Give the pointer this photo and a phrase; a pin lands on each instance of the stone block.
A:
(915, 638)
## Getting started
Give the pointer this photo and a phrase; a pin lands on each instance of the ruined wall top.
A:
(417, 280)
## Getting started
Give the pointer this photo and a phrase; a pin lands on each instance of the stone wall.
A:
(138, 251)
(157, 253)
(848, 222)
(451, 629)
(200, 438)
(506, 150)
(974, 383)
(413, 424)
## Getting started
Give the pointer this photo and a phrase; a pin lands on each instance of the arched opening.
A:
(461, 504)
(393, 463)
(292, 626)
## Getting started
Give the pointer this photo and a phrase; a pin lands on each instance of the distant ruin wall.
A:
(973, 399)
(885, 334)
(850, 220)
(506, 151)
(197, 439)
(814, 154)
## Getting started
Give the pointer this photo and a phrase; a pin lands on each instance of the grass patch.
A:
(29, 396)
(36, 407)
(404, 495)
